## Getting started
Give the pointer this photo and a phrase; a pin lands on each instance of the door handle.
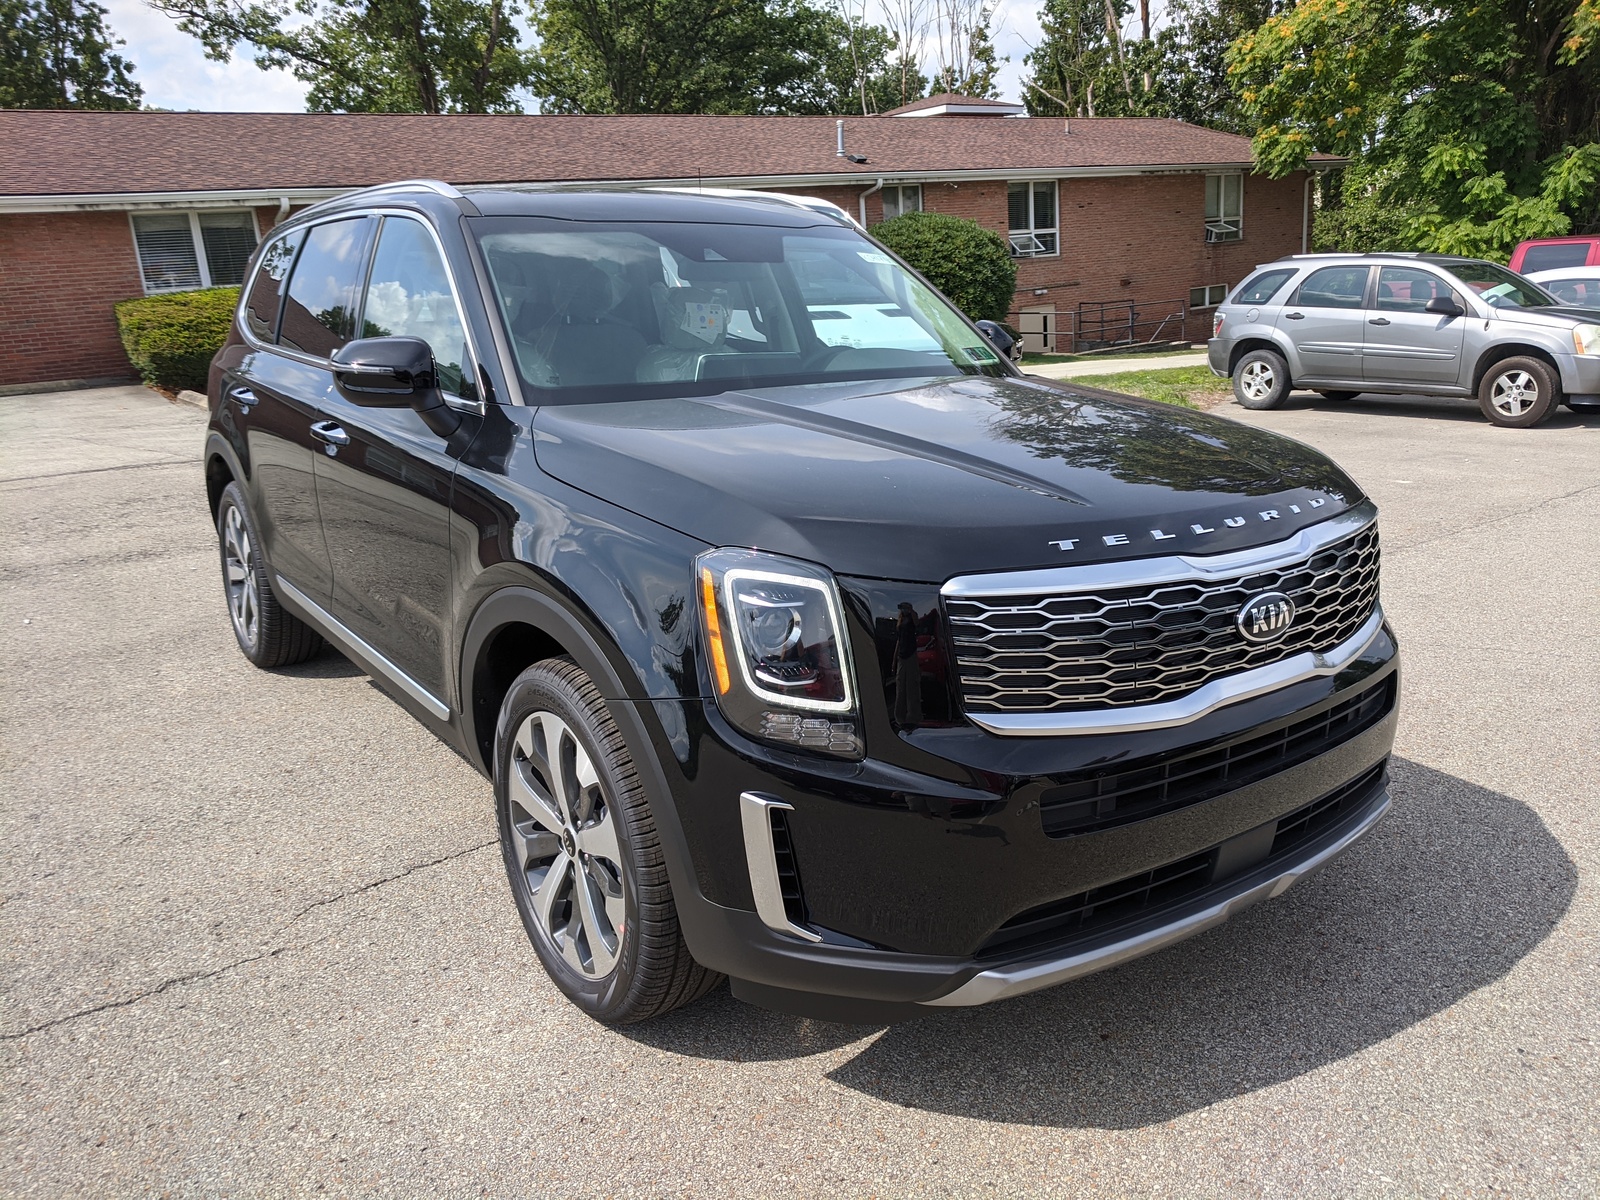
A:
(1378, 321)
(330, 434)
(1294, 316)
(243, 396)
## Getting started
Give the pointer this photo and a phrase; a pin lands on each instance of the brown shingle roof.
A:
(79, 153)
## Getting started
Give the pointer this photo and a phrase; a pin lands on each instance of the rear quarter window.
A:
(1548, 258)
(1261, 287)
(266, 289)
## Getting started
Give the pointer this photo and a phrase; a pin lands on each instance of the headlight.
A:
(1586, 338)
(776, 649)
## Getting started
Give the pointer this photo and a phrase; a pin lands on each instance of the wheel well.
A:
(505, 654)
(218, 477)
(1496, 354)
(1246, 346)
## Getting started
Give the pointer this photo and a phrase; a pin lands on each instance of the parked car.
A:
(1545, 254)
(1575, 286)
(1437, 325)
(878, 679)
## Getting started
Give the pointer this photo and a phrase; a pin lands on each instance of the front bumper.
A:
(1580, 377)
(909, 885)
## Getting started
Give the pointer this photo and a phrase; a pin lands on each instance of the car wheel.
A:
(582, 852)
(268, 635)
(1339, 397)
(1519, 392)
(1261, 379)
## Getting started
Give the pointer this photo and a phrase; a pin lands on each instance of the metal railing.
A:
(1101, 325)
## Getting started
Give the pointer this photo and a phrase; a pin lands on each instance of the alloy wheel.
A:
(243, 601)
(1257, 380)
(1514, 393)
(565, 839)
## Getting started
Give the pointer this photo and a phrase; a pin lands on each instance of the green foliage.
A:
(1479, 121)
(1187, 387)
(708, 56)
(1079, 68)
(968, 263)
(429, 56)
(59, 54)
(171, 339)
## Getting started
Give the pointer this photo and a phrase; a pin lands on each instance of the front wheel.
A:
(1261, 379)
(1519, 392)
(582, 852)
(268, 635)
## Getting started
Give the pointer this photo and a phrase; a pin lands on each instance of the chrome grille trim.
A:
(1028, 669)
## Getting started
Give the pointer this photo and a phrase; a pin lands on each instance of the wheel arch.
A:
(1247, 345)
(1499, 352)
(222, 467)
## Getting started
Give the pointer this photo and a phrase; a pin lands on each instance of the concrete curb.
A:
(195, 398)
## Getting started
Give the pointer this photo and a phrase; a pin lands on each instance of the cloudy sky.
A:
(175, 73)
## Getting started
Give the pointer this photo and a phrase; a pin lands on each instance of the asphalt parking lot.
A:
(257, 939)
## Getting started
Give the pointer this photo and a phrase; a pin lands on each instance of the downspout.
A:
(1305, 218)
(877, 187)
(283, 210)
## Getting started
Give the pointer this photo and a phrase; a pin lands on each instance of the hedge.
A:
(171, 339)
(970, 264)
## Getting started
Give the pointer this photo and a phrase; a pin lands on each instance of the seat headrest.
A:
(581, 291)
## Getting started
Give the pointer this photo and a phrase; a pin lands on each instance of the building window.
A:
(1225, 207)
(1209, 296)
(183, 250)
(1033, 219)
(901, 199)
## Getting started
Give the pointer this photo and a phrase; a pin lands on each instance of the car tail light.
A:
(1216, 325)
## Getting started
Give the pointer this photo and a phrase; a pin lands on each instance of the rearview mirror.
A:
(393, 372)
(1444, 306)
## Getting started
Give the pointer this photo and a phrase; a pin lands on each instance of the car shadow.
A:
(1440, 408)
(1442, 899)
(328, 664)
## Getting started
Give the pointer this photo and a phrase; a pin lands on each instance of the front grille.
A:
(1073, 919)
(1133, 792)
(1146, 644)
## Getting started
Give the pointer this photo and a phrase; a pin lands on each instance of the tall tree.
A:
(430, 56)
(964, 45)
(1479, 122)
(709, 56)
(59, 54)
(1080, 69)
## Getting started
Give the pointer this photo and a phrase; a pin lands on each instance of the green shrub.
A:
(171, 339)
(970, 264)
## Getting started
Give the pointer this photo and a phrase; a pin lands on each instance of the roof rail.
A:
(826, 208)
(436, 186)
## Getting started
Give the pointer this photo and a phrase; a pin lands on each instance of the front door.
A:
(1325, 318)
(385, 489)
(1406, 343)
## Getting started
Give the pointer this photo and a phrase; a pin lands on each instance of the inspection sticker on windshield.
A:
(872, 256)
(980, 354)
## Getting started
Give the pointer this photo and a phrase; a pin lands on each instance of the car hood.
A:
(1563, 317)
(928, 479)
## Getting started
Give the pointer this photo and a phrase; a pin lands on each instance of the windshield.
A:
(1500, 288)
(606, 311)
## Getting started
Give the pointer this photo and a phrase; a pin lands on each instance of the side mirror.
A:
(394, 372)
(998, 337)
(1445, 307)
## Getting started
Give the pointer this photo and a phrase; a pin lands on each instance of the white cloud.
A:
(175, 73)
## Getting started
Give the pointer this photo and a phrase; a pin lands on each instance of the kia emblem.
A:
(1265, 618)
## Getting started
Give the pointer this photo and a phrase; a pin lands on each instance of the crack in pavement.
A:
(170, 462)
(201, 976)
(1521, 512)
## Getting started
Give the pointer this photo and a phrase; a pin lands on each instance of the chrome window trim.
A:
(399, 678)
(459, 403)
(1206, 568)
(1002, 982)
(1218, 693)
(755, 816)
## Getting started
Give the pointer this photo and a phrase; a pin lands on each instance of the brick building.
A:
(1115, 222)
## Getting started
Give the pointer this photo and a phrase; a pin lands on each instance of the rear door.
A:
(1325, 318)
(1404, 342)
(385, 488)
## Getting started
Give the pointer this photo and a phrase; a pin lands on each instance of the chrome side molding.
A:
(1230, 689)
(394, 674)
(755, 814)
(1002, 982)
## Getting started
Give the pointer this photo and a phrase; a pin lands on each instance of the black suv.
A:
(804, 640)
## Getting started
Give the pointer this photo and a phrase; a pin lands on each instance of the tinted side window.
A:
(319, 315)
(1548, 258)
(409, 296)
(266, 289)
(1333, 287)
(1258, 289)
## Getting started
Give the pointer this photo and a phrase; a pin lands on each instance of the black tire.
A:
(1261, 379)
(643, 969)
(268, 635)
(1519, 392)
(1339, 397)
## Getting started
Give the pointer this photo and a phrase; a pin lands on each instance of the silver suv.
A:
(1343, 324)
